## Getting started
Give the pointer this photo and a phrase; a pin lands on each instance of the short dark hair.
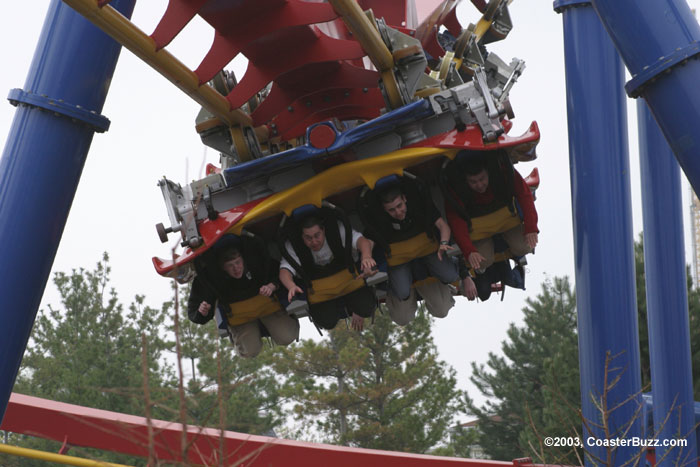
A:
(228, 255)
(311, 221)
(390, 194)
(475, 166)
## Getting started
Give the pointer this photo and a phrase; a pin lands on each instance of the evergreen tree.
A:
(92, 323)
(234, 393)
(460, 443)
(88, 351)
(249, 400)
(533, 388)
(642, 313)
(694, 322)
(384, 388)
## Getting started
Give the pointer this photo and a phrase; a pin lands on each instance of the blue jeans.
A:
(401, 277)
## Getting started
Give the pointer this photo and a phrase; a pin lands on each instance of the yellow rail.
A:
(338, 179)
(367, 35)
(126, 33)
(486, 20)
(51, 457)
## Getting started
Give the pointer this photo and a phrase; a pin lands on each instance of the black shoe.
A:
(511, 277)
(483, 286)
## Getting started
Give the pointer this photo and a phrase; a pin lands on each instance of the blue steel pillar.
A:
(603, 239)
(57, 114)
(667, 297)
(658, 41)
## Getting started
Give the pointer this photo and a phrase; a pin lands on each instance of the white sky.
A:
(152, 134)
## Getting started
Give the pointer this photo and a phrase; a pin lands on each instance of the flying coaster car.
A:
(502, 214)
(334, 99)
(237, 307)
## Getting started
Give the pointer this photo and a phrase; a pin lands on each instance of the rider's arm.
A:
(460, 230)
(198, 294)
(287, 279)
(444, 230)
(364, 246)
(284, 264)
(527, 203)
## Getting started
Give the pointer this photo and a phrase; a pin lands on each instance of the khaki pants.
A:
(247, 339)
(438, 301)
(514, 238)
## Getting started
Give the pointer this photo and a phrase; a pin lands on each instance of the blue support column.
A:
(603, 238)
(57, 114)
(667, 297)
(658, 41)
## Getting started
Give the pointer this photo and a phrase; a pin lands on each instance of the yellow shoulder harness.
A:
(251, 309)
(415, 247)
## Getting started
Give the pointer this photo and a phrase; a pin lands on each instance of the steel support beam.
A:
(58, 112)
(667, 296)
(602, 219)
(658, 41)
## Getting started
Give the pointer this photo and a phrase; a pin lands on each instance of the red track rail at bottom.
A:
(128, 434)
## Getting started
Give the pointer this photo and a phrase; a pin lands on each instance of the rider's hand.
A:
(204, 308)
(469, 288)
(367, 266)
(267, 289)
(475, 259)
(293, 291)
(443, 249)
(531, 240)
(357, 322)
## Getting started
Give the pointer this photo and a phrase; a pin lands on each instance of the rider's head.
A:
(394, 203)
(477, 177)
(313, 234)
(232, 263)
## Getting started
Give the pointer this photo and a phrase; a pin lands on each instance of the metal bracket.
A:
(483, 88)
(486, 113)
(99, 123)
(561, 5)
(636, 85)
(181, 212)
(409, 69)
(212, 215)
(501, 26)
(502, 77)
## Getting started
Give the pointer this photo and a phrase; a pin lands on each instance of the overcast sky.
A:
(152, 134)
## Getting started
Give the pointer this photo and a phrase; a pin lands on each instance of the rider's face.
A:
(397, 208)
(478, 182)
(313, 237)
(234, 267)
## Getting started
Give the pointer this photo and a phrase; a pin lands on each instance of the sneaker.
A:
(378, 278)
(298, 308)
(515, 278)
